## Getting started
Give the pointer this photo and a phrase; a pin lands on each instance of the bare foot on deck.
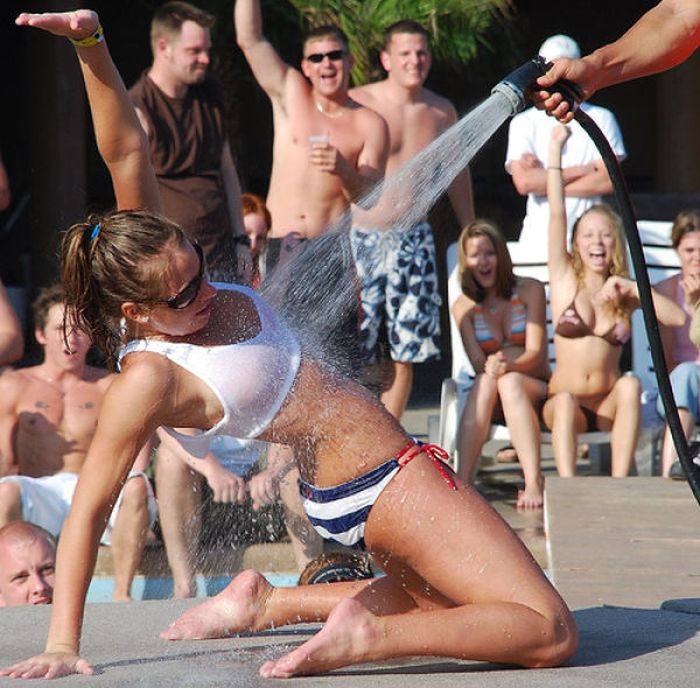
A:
(348, 637)
(239, 607)
(532, 497)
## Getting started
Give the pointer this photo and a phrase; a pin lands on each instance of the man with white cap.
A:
(584, 174)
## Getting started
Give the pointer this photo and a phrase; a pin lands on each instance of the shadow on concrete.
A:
(614, 634)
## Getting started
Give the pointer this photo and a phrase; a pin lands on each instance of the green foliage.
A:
(459, 28)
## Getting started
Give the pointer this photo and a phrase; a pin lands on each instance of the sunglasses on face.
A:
(189, 293)
(332, 55)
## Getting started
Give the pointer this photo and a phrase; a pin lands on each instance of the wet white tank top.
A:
(251, 378)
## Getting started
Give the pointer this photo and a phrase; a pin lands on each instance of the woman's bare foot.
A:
(349, 637)
(532, 497)
(239, 607)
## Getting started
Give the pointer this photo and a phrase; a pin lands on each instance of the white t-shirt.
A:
(530, 132)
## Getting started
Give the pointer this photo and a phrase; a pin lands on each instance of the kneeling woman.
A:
(592, 300)
(502, 321)
(217, 358)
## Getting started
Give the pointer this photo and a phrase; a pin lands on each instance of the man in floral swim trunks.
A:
(398, 268)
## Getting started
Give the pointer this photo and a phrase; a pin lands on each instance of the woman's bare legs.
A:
(475, 424)
(624, 397)
(500, 606)
(668, 452)
(565, 419)
(518, 394)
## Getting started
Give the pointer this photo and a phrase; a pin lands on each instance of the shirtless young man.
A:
(48, 415)
(313, 181)
(416, 116)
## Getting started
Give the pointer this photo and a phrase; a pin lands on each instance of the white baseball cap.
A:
(558, 46)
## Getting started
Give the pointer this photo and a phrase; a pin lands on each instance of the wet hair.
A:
(327, 31)
(46, 299)
(505, 278)
(108, 260)
(686, 221)
(252, 204)
(404, 26)
(168, 19)
(18, 531)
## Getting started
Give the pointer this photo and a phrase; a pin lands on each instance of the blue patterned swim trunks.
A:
(398, 277)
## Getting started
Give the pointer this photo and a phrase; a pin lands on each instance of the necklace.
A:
(331, 115)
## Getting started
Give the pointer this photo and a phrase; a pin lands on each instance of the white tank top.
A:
(251, 378)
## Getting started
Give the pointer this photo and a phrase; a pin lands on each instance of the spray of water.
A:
(316, 289)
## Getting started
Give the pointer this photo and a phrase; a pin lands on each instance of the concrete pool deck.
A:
(619, 549)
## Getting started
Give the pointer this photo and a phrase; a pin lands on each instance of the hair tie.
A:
(95, 232)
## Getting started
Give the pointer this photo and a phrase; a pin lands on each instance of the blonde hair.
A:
(505, 279)
(618, 264)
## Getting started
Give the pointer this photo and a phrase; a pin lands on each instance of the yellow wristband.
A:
(90, 40)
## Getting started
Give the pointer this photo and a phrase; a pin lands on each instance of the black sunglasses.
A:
(333, 56)
(189, 293)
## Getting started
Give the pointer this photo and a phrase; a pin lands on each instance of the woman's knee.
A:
(629, 388)
(510, 384)
(560, 641)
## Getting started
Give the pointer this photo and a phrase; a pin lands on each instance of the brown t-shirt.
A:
(186, 138)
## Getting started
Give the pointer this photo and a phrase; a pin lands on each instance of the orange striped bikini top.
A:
(518, 322)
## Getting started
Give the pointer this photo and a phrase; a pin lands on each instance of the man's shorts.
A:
(46, 501)
(399, 286)
(684, 382)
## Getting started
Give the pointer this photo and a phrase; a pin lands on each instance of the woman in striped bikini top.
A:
(502, 322)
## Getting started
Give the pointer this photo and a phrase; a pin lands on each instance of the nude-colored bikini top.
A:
(571, 326)
(251, 378)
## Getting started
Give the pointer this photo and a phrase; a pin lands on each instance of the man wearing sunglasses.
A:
(48, 416)
(328, 150)
(402, 294)
(181, 109)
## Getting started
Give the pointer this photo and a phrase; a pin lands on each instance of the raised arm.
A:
(120, 138)
(664, 37)
(5, 195)
(558, 261)
(269, 69)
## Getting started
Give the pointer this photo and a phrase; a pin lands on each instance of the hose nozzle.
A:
(516, 87)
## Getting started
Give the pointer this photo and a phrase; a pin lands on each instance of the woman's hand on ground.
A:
(49, 665)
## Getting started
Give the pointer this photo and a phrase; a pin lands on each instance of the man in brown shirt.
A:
(181, 109)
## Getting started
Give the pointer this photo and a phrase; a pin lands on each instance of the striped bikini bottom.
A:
(339, 513)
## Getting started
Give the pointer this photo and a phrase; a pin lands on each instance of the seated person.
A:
(48, 416)
(681, 354)
(27, 564)
(11, 340)
(592, 300)
(502, 321)
(256, 223)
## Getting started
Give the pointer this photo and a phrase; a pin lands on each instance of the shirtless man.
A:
(48, 415)
(416, 116)
(27, 564)
(313, 180)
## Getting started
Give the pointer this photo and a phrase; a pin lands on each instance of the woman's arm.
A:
(460, 312)
(120, 137)
(533, 358)
(618, 289)
(558, 260)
